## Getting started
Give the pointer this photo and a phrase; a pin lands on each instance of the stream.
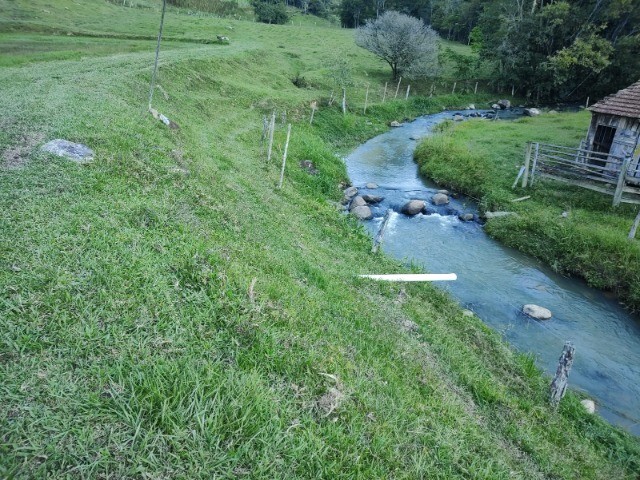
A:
(495, 281)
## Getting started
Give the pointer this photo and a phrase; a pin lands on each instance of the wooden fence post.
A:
(284, 157)
(559, 384)
(454, 88)
(513, 90)
(406, 97)
(527, 159)
(272, 127)
(378, 240)
(634, 227)
(475, 90)
(344, 101)
(398, 88)
(617, 196)
(366, 100)
(314, 106)
(535, 164)
(384, 95)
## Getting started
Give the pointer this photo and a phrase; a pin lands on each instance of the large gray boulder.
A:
(589, 405)
(350, 192)
(531, 112)
(504, 104)
(440, 199)
(362, 212)
(357, 201)
(536, 311)
(76, 152)
(413, 207)
(372, 198)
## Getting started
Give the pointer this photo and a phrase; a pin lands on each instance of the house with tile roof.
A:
(615, 129)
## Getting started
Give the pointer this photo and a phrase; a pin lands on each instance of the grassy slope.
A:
(131, 341)
(483, 158)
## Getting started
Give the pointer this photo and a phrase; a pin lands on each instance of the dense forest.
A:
(562, 51)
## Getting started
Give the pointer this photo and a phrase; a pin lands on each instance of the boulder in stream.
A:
(372, 198)
(536, 311)
(413, 207)
(504, 104)
(395, 123)
(350, 192)
(371, 185)
(362, 212)
(531, 112)
(466, 217)
(440, 199)
(357, 201)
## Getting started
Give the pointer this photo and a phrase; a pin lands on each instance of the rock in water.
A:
(362, 212)
(372, 198)
(531, 112)
(350, 192)
(371, 185)
(395, 124)
(77, 152)
(537, 312)
(588, 405)
(357, 201)
(413, 207)
(458, 118)
(466, 217)
(440, 199)
(504, 104)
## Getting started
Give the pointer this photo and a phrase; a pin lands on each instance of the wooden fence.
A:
(601, 172)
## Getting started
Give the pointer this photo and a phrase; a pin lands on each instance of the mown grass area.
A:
(166, 312)
(483, 158)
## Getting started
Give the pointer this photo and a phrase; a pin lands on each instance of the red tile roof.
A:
(625, 103)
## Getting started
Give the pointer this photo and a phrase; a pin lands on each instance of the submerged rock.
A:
(466, 217)
(77, 152)
(371, 185)
(413, 207)
(536, 311)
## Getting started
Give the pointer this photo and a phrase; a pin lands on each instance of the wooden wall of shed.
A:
(626, 141)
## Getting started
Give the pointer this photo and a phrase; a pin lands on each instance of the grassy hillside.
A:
(589, 240)
(166, 312)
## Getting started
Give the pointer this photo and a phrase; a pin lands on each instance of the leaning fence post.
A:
(284, 157)
(617, 196)
(384, 95)
(535, 163)
(559, 384)
(634, 227)
(454, 88)
(475, 90)
(527, 159)
(398, 88)
(378, 240)
(406, 97)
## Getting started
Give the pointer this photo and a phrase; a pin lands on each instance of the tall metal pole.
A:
(155, 66)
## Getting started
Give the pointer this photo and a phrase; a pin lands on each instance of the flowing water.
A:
(494, 281)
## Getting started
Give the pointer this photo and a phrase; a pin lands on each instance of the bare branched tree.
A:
(408, 45)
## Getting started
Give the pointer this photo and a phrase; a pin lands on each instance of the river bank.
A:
(573, 230)
(495, 282)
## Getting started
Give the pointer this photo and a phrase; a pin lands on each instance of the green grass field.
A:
(483, 159)
(166, 312)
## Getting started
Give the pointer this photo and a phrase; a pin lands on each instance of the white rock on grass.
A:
(77, 152)
(589, 405)
(536, 311)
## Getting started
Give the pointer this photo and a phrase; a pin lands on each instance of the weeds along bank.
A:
(574, 230)
(167, 312)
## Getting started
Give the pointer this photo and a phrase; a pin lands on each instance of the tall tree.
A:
(405, 43)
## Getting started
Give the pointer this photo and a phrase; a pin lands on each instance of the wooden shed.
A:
(615, 130)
